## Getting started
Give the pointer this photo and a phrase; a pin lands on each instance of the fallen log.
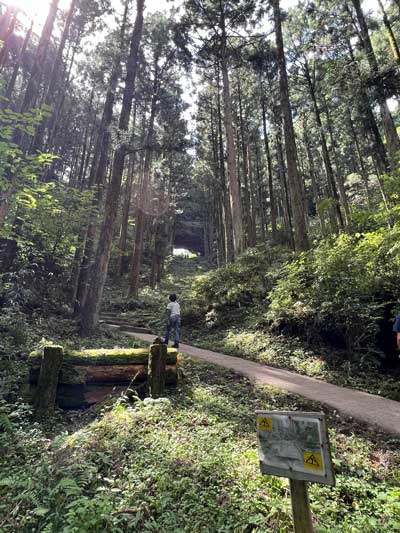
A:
(116, 356)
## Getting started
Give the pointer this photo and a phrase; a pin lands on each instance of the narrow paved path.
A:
(374, 410)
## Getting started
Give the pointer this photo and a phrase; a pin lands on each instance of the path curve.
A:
(374, 410)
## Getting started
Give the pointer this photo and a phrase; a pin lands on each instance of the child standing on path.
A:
(173, 320)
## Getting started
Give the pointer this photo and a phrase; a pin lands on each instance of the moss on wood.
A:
(117, 356)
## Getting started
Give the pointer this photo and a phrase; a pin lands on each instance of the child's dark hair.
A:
(172, 297)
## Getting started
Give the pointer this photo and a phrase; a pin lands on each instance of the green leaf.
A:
(41, 511)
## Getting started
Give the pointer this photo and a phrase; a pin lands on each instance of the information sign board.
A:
(294, 445)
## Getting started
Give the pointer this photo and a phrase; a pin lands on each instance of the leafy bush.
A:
(242, 283)
(343, 286)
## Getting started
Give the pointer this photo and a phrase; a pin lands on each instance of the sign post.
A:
(300, 506)
(295, 445)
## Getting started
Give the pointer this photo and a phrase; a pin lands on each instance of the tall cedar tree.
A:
(294, 178)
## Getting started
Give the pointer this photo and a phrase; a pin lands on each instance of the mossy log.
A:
(117, 356)
(123, 374)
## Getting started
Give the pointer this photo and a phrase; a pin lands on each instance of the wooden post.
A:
(157, 364)
(301, 507)
(48, 379)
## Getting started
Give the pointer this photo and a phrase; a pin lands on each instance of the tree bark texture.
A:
(272, 200)
(157, 364)
(48, 380)
(227, 209)
(143, 196)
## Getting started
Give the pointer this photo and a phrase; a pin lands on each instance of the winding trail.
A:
(374, 410)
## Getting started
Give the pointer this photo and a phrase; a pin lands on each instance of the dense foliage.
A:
(345, 288)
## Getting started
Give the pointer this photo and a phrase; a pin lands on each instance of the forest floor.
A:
(185, 463)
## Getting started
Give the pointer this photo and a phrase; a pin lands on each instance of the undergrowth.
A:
(185, 463)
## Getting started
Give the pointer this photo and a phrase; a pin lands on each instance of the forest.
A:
(245, 156)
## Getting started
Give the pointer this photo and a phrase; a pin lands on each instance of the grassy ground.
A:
(187, 463)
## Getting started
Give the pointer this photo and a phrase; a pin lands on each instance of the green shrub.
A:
(242, 283)
(344, 285)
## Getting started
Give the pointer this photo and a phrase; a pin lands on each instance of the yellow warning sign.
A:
(313, 461)
(265, 423)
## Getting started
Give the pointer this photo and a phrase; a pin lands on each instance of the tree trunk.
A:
(287, 217)
(314, 184)
(75, 274)
(245, 169)
(339, 177)
(160, 251)
(49, 98)
(228, 222)
(218, 193)
(91, 309)
(234, 189)
(32, 89)
(55, 122)
(363, 170)
(391, 36)
(260, 195)
(5, 40)
(253, 210)
(368, 118)
(98, 168)
(272, 200)
(14, 75)
(122, 259)
(294, 179)
(5, 21)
